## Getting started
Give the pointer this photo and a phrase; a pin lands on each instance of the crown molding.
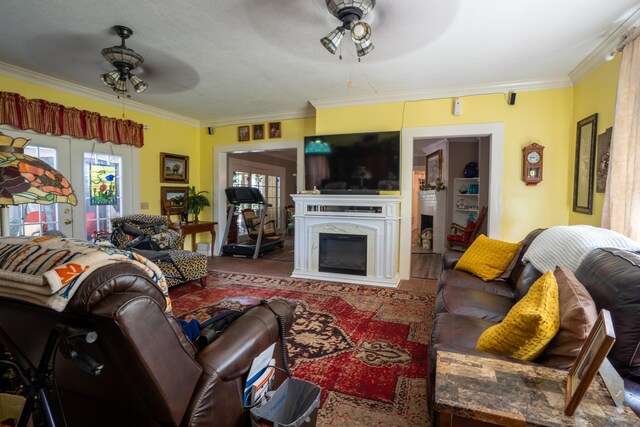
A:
(447, 92)
(605, 48)
(301, 113)
(74, 89)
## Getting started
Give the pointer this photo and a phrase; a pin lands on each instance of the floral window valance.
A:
(48, 117)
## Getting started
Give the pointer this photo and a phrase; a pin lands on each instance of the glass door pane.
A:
(102, 191)
(34, 219)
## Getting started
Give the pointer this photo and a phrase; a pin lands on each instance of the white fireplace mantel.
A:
(377, 217)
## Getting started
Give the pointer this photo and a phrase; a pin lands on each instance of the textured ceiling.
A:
(221, 60)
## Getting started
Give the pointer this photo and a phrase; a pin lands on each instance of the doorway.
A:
(494, 132)
(221, 179)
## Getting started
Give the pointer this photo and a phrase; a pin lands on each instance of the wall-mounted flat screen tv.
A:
(352, 163)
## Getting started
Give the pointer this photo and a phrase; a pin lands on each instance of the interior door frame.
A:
(495, 132)
(220, 175)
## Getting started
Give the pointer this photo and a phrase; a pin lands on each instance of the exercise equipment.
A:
(237, 196)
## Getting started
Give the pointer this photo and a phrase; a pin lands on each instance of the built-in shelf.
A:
(466, 200)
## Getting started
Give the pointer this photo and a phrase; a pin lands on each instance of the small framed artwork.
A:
(175, 199)
(243, 133)
(602, 165)
(591, 356)
(258, 131)
(434, 168)
(274, 130)
(174, 168)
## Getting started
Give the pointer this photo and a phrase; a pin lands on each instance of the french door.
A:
(80, 162)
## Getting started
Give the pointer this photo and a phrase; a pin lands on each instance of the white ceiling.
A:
(226, 61)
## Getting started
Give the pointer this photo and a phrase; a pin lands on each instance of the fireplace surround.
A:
(367, 223)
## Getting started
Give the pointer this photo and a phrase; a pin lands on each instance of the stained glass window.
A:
(104, 184)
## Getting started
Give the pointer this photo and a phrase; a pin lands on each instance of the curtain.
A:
(48, 117)
(621, 211)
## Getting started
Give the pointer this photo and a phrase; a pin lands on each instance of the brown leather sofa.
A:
(152, 374)
(466, 306)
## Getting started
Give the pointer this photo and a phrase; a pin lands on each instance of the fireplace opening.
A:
(426, 221)
(343, 254)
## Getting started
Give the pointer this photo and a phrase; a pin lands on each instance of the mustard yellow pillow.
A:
(487, 258)
(530, 324)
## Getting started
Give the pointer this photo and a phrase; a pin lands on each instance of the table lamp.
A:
(27, 179)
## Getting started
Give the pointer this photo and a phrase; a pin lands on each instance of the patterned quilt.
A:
(48, 270)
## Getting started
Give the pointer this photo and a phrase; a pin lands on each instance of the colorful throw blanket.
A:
(567, 246)
(48, 270)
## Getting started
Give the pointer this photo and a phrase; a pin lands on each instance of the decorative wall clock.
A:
(532, 164)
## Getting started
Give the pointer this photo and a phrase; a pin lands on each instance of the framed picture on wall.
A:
(243, 133)
(174, 200)
(434, 168)
(258, 131)
(174, 168)
(274, 130)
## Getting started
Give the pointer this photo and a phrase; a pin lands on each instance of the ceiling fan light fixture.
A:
(138, 84)
(110, 78)
(332, 40)
(121, 86)
(123, 56)
(350, 13)
(340, 8)
(364, 48)
(124, 60)
(360, 32)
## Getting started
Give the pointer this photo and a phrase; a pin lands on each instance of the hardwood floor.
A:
(279, 263)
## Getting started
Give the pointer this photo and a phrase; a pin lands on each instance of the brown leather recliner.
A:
(152, 374)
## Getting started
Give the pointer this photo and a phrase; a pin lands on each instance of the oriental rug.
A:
(365, 346)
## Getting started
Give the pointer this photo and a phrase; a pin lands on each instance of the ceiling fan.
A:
(350, 12)
(125, 60)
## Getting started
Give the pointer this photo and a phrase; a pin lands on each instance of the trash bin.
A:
(294, 404)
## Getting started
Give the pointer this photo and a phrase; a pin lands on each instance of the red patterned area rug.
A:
(365, 346)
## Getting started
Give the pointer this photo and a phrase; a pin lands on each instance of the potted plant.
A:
(196, 201)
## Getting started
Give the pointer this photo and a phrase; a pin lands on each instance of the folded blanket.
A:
(48, 270)
(566, 246)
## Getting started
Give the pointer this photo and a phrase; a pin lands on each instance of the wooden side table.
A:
(193, 228)
(480, 391)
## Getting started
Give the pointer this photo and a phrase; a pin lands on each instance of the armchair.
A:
(178, 265)
(462, 237)
(152, 374)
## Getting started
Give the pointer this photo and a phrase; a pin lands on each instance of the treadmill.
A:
(236, 196)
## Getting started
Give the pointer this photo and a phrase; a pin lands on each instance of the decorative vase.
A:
(471, 170)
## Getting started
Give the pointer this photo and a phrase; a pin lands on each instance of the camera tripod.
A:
(36, 380)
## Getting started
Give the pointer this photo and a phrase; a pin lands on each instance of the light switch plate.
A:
(144, 205)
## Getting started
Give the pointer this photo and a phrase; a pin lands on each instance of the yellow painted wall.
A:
(163, 135)
(596, 93)
(547, 117)
(291, 130)
(539, 116)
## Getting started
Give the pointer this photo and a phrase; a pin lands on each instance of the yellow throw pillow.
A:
(487, 258)
(530, 324)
